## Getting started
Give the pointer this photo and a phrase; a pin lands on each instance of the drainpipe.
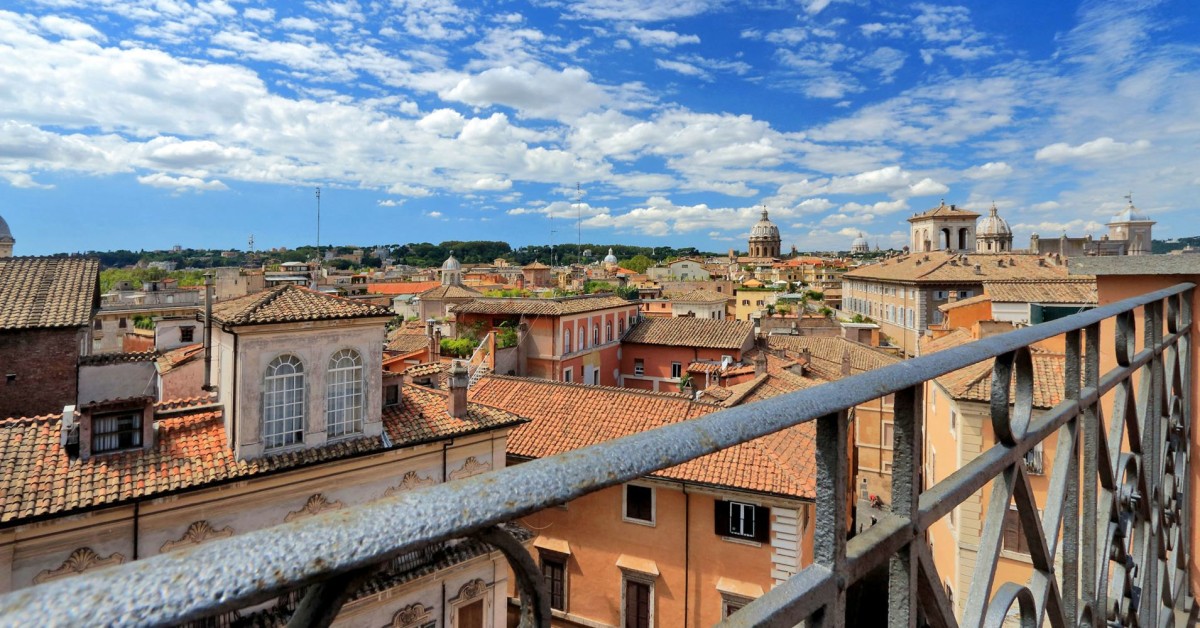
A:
(208, 297)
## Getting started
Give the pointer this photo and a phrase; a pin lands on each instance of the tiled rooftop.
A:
(974, 383)
(38, 478)
(179, 356)
(542, 307)
(439, 293)
(400, 287)
(945, 211)
(37, 292)
(943, 267)
(289, 303)
(566, 417)
(699, 296)
(828, 353)
(397, 340)
(958, 336)
(1076, 290)
(686, 331)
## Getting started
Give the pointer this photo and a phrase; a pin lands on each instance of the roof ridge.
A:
(755, 384)
(655, 394)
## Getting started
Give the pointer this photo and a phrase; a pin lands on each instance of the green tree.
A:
(638, 263)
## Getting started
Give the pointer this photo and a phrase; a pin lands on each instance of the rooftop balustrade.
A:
(1111, 546)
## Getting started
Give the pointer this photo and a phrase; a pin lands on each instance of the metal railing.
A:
(1119, 535)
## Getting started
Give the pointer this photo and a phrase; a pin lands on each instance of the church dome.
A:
(860, 241)
(610, 258)
(451, 263)
(992, 225)
(1129, 214)
(5, 234)
(764, 229)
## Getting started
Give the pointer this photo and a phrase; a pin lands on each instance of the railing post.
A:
(1092, 441)
(829, 539)
(906, 488)
(1070, 514)
(1148, 572)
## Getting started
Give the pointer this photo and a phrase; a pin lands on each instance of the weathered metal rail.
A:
(1121, 532)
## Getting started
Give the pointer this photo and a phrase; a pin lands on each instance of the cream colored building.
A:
(902, 294)
(306, 425)
(943, 228)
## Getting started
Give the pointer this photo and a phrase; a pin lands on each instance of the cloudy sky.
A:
(148, 123)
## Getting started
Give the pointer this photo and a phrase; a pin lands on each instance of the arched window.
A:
(566, 340)
(596, 334)
(582, 336)
(283, 402)
(608, 331)
(621, 326)
(344, 394)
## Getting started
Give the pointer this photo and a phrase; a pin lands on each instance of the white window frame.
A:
(595, 334)
(566, 339)
(581, 337)
(345, 394)
(742, 507)
(676, 370)
(653, 505)
(639, 578)
(290, 413)
(639, 366)
(568, 374)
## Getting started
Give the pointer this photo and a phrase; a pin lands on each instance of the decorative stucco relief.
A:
(470, 467)
(315, 505)
(197, 533)
(471, 590)
(80, 560)
(411, 615)
(411, 481)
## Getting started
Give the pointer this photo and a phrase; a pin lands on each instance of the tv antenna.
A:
(579, 222)
(250, 243)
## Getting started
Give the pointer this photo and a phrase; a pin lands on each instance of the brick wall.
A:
(44, 363)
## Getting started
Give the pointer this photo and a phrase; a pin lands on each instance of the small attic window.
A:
(116, 431)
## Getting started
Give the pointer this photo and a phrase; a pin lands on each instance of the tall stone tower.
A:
(992, 234)
(764, 238)
(943, 228)
(6, 239)
(1128, 224)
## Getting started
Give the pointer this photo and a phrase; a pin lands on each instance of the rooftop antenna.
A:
(1129, 197)
(251, 243)
(317, 266)
(578, 222)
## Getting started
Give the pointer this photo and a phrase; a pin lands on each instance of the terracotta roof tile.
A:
(438, 293)
(289, 303)
(1073, 290)
(566, 417)
(955, 338)
(686, 331)
(945, 211)
(398, 340)
(99, 359)
(543, 307)
(979, 298)
(178, 357)
(974, 383)
(400, 287)
(48, 292)
(38, 478)
(942, 267)
(828, 353)
(700, 296)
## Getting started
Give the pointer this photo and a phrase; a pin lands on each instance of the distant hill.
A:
(1164, 246)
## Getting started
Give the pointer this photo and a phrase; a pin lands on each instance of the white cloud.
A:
(298, 24)
(989, 170)
(539, 92)
(69, 28)
(434, 214)
(685, 69)
(661, 38)
(927, 187)
(491, 184)
(640, 10)
(389, 202)
(261, 15)
(1099, 148)
(23, 180)
(182, 183)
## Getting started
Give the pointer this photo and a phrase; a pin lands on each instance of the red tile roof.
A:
(38, 478)
(543, 307)
(566, 417)
(945, 211)
(827, 354)
(687, 331)
(1074, 290)
(37, 292)
(289, 303)
(179, 356)
(393, 288)
(945, 267)
(397, 340)
(974, 383)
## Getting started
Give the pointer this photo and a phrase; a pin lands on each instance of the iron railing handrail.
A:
(257, 566)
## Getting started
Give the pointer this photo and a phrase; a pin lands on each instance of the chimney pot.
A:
(459, 380)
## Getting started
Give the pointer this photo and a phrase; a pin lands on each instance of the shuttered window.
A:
(742, 520)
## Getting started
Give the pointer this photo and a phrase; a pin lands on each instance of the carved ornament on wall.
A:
(197, 533)
(315, 505)
(80, 560)
(470, 467)
(411, 481)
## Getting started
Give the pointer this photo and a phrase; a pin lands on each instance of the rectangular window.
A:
(1035, 461)
(121, 324)
(741, 520)
(113, 432)
(953, 422)
(637, 604)
(187, 334)
(639, 367)
(676, 370)
(639, 503)
(889, 435)
(1014, 536)
(568, 373)
(391, 395)
(554, 570)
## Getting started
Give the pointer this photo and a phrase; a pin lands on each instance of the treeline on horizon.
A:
(421, 254)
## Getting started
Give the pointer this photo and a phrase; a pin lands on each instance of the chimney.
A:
(208, 298)
(846, 362)
(456, 405)
(978, 269)
(760, 363)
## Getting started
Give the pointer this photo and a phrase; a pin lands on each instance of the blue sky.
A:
(148, 123)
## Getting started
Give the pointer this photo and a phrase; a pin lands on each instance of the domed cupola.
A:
(992, 234)
(451, 271)
(1132, 226)
(610, 259)
(764, 238)
(860, 245)
(6, 239)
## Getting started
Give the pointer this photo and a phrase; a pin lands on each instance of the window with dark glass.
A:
(121, 324)
(741, 520)
(639, 503)
(391, 395)
(1014, 535)
(676, 370)
(639, 366)
(637, 604)
(187, 334)
(554, 570)
(116, 431)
